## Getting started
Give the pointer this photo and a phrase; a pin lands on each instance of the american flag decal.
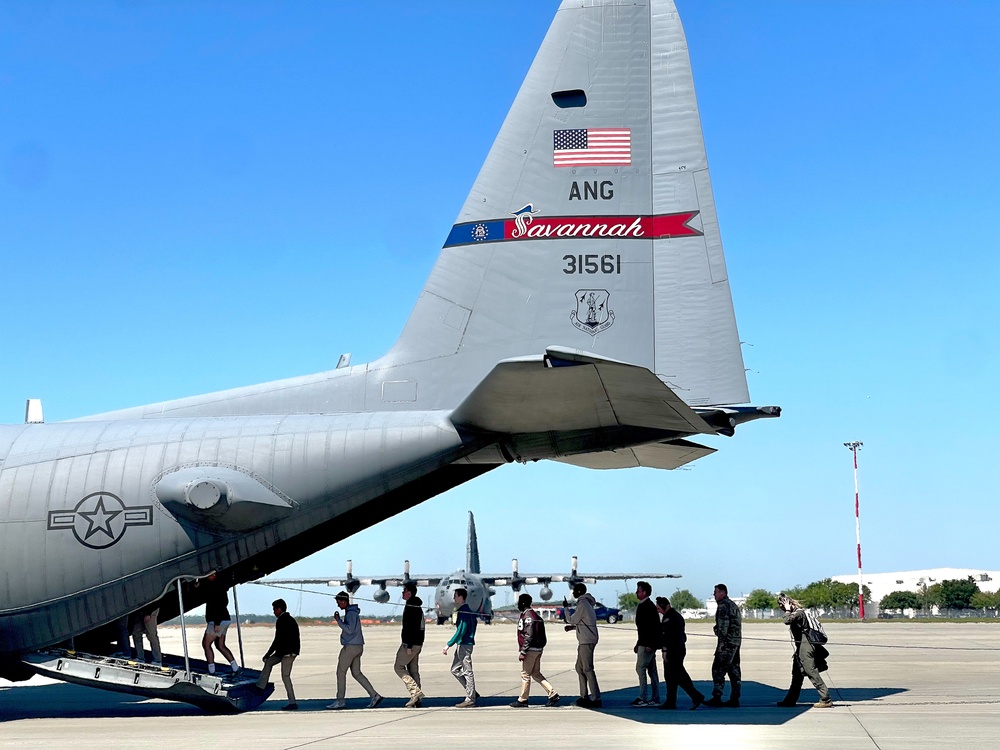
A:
(585, 147)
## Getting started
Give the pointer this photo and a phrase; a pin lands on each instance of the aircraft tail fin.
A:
(472, 548)
(591, 226)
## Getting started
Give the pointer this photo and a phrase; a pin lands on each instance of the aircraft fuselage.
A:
(99, 517)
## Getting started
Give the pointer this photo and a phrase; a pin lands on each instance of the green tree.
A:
(932, 595)
(957, 594)
(628, 602)
(761, 599)
(829, 594)
(684, 599)
(982, 600)
(795, 592)
(901, 600)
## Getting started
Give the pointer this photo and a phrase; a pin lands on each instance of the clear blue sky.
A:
(200, 196)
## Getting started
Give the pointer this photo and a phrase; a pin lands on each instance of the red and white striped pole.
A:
(854, 445)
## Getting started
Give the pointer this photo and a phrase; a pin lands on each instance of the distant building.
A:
(914, 580)
(711, 605)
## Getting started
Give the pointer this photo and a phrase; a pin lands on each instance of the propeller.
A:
(516, 582)
(351, 583)
(572, 579)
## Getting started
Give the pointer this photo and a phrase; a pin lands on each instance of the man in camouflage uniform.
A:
(729, 631)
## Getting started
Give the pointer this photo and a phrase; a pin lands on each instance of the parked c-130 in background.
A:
(547, 330)
(479, 586)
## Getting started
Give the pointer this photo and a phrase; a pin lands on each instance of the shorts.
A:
(223, 627)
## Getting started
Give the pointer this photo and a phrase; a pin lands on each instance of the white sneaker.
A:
(336, 705)
(376, 699)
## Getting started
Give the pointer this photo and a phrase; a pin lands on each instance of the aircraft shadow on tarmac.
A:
(757, 704)
(67, 701)
(71, 701)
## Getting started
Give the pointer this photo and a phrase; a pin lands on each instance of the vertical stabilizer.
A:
(472, 548)
(592, 224)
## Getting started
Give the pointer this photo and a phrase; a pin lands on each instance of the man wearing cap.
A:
(352, 644)
(584, 622)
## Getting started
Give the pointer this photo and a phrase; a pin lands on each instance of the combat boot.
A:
(715, 701)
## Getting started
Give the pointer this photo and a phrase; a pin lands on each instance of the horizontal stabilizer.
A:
(668, 455)
(554, 393)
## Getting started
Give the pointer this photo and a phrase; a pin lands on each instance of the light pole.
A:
(854, 445)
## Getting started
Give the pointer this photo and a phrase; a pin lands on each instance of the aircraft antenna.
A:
(853, 446)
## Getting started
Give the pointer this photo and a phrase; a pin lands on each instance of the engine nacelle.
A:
(381, 596)
(545, 593)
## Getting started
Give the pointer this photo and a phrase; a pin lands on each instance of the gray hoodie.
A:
(585, 620)
(350, 627)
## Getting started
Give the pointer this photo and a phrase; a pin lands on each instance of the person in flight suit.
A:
(729, 631)
(805, 655)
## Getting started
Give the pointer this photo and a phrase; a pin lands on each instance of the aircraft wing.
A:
(383, 581)
(595, 577)
(568, 390)
(506, 579)
(670, 454)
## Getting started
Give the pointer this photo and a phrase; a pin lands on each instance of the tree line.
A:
(680, 599)
(951, 594)
(825, 594)
(830, 594)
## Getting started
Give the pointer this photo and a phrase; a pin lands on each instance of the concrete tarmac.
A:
(896, 685)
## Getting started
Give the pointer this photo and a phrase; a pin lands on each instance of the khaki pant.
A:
(286, 673)
(531, 669)
(146, 626)
(350, 658)
(585, 671)
(407, 668)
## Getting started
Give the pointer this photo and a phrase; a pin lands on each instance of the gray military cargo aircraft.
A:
(478, 585)
(579, 311)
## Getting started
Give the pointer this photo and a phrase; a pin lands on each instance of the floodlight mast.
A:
(854, 445)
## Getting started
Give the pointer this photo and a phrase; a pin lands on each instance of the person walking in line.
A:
(806, 653)
(145, 625)
(584, 622)
(352, 646)
(647, 624)
(283, 650)
(674, 642)
(217, 621)
(407, 666)
(530, 642)
(729, 631)
(464, 640)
